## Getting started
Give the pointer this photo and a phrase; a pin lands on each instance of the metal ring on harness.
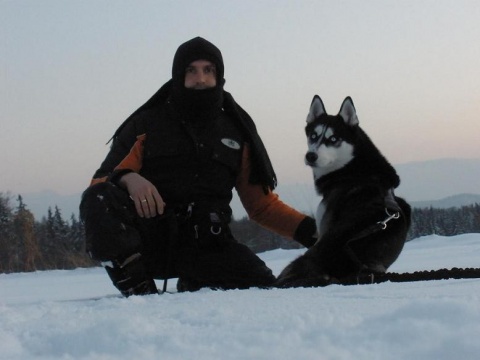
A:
(389, 217)
(215, 232)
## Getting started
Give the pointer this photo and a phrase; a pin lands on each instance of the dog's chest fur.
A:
(319, 218)
(326, 209)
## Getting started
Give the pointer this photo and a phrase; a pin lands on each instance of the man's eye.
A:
(210, 70)
(190, 70)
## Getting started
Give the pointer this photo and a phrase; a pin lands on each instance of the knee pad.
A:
(108, 215)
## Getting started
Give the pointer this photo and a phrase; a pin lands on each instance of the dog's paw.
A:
(295, 282)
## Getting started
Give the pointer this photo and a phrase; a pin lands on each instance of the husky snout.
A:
(311, 157)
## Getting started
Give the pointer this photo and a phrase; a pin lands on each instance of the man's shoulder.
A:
(145, 119)
(229, 123)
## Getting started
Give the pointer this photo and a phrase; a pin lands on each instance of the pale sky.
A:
(72, 71)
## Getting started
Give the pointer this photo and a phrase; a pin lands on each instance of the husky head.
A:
(330, 138)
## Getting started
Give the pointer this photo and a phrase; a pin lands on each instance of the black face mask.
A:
(196, 105)
(190, 103)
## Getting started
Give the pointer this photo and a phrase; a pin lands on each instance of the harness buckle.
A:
(215, 230)
(393, 216)
(190, 209)
(216, 227)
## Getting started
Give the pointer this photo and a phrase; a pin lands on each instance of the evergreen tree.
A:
(26, 242)
(55, 241)
(76, 234)
(6, 233)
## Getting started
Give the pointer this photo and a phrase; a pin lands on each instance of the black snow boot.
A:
(186, 284)
(130, 276)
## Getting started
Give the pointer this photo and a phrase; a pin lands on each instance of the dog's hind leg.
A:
(303, 272)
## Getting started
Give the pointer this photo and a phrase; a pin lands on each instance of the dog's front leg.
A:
(303, 272)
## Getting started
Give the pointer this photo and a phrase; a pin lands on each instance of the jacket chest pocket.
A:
(167, 146)
(228, 152)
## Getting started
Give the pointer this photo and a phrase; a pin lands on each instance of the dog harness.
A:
(393, 212)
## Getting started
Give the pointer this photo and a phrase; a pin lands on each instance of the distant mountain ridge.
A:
(438, 179)
(449, 202)
(438, 183)
(293, 195)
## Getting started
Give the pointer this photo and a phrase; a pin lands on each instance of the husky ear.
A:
(348, 113)
(316, 109)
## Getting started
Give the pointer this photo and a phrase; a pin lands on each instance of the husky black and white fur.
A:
(362, 225)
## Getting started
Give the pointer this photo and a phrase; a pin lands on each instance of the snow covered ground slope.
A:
(52, 315)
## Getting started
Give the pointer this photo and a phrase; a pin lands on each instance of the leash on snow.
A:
(427, 275)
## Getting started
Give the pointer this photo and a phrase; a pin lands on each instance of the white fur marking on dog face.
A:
(323, 134)
(316, 136)
(329, 133)
(330, 158)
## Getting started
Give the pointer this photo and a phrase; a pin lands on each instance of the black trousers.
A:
(172, 245)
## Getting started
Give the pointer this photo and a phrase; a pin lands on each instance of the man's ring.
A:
(144, 200)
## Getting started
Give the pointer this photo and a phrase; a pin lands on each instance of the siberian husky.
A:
(362, 225)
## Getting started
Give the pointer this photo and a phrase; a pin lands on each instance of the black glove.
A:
(306, 233)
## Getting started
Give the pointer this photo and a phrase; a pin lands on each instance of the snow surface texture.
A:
(77, 315)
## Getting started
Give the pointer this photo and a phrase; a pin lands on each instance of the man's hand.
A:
(148, 201)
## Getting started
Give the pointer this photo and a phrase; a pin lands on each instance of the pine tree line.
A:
(445, 222)
(54, 243)
(29, 245)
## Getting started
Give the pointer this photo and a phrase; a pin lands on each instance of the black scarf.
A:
(202, 105)
(262, 172)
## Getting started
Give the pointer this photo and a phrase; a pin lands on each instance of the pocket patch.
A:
(232, 144)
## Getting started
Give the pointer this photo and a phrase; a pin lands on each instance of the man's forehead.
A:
(201, 62)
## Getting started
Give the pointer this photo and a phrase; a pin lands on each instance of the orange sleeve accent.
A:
(265, 209)
(134, 158)
(98, 180)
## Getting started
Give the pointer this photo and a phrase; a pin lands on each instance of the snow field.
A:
(77, 315)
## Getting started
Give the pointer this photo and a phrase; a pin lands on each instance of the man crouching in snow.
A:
(158, 206)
